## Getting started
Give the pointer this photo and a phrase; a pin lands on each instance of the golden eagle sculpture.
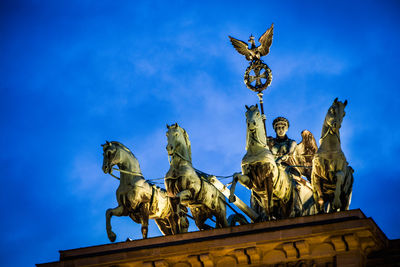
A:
(254, 52)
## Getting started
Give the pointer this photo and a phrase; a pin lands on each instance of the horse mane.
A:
(122, 146)
(247, 139)
(337, 105)
(253, 108)
(187, 141)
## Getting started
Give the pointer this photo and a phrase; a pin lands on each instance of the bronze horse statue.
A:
(332, 177)
(137, 198)
(275, 194)
(184, 186)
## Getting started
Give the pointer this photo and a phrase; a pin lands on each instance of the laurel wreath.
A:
(258, 67)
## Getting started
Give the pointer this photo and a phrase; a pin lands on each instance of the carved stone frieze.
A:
(334, 239)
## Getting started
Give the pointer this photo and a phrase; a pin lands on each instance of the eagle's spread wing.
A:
(266, 41)
(304, 153)
(241, 47)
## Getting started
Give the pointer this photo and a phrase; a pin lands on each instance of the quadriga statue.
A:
(184, 186)
(137, 198)
(332, 177)
(273, 188)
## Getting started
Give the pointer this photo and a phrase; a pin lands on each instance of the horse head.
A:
(115, 153)
(335, 115)
(109, 156)
(255, 126)
(178, 142)
(253, 118)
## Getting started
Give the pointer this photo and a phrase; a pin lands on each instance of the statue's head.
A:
(281, 126)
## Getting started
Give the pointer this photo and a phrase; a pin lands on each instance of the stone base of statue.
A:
(345, 238)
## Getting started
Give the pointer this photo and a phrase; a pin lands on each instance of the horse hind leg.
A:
(201, 223)
(347, 189)
(200, 216)
(221, 220)
(163, 225)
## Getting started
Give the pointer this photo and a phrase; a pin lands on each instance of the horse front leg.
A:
(221, 220)
(232, 197)
(337, 203)
(185, 197)
(118, 211)
(144, 219)
(317, 192)
(270, 205)
(238, 177)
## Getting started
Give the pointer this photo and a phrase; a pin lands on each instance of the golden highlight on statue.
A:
(332, 177)
(275, 192)
(254, 52)
(185, 187)
(258, 75)
(137, 198)
(286, 179)
(304, 154)
(282, 147)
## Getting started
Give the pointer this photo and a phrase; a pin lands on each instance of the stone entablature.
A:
(338, 239)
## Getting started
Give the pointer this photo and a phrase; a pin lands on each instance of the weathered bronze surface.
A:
(258, 71)
(304, 154)
(185, 187)
(282, 147)
(137, 198)
(277, 170)
(258, 75)
(275, 193)
(332, 177)
(254, 52)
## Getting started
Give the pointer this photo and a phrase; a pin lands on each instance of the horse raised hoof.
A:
(237, 218)
(321, 202)
(337, 203)
(112, 236)
(144, 232)
(232, 198)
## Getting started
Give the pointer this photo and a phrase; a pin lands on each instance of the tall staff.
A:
(258, 75)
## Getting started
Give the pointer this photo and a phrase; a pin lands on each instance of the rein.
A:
(126, 172)
(257, 140)
(179, 154)
(330, 131)
(199, 171)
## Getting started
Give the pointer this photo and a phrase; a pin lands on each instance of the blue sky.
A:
(77, 73)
